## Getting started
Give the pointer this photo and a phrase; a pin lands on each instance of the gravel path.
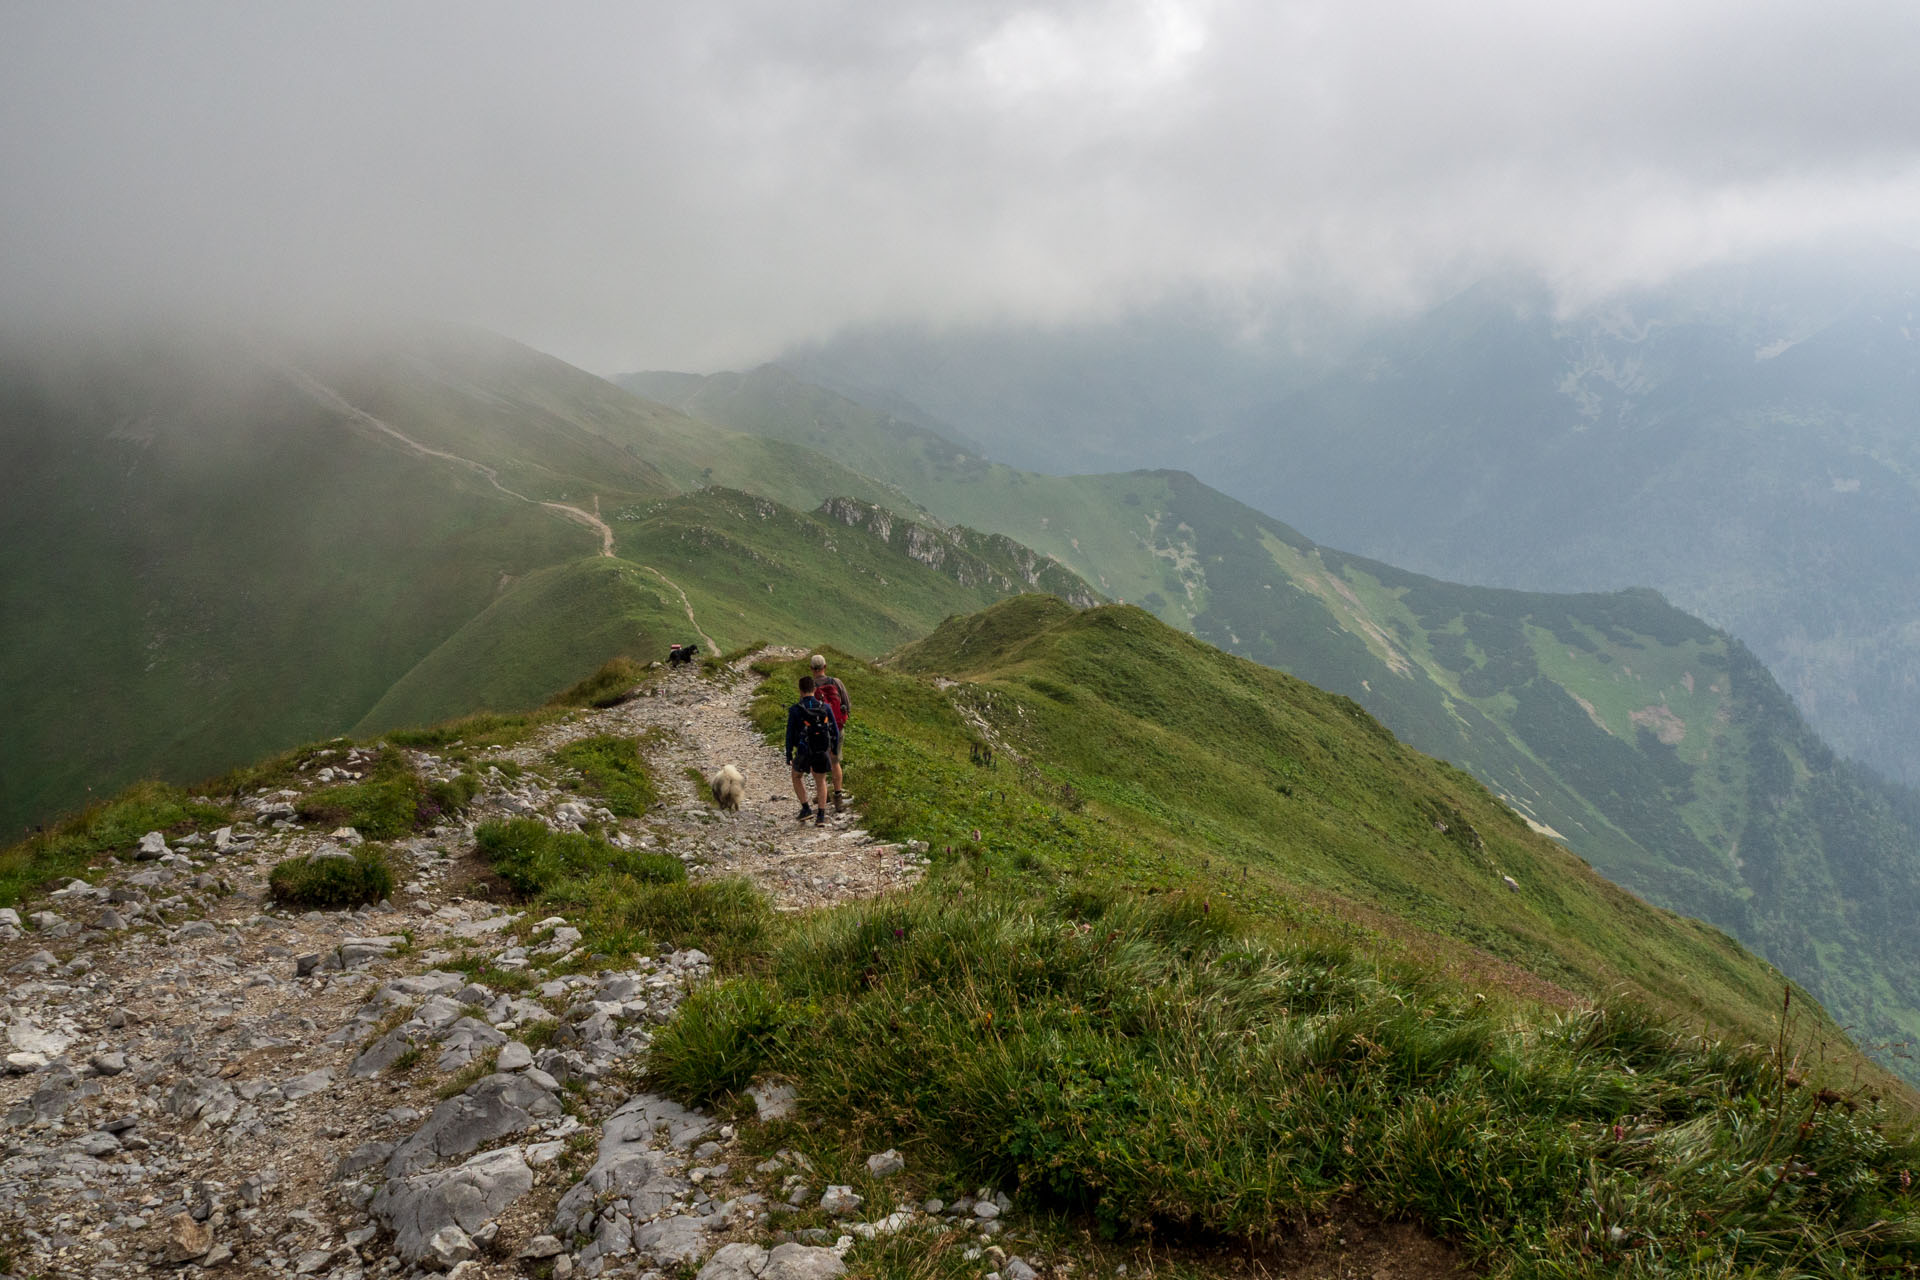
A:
(705, 723)
(196, 1077)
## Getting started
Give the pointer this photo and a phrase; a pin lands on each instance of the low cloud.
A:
(700, 186)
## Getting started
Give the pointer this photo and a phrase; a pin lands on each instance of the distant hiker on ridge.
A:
(812, 741)
(834, 694)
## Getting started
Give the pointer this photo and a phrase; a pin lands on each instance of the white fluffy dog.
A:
(729, 788)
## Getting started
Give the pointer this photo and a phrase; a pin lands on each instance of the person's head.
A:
(806, 685)
(819, 665)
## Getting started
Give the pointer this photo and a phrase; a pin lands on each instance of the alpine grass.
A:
(114, 825)
(610, 767)
(610, 686)
(332, 884)
(1162, 1067)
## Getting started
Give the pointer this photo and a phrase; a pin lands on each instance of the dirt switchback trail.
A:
(340, 404)
(586, 518)
(713, 647)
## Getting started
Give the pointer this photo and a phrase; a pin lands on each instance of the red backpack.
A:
(828, 692)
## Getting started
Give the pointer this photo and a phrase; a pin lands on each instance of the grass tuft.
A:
(721, 1038)
(611, 768)
(534, 859)
(332, 884)
(448, 798)
(391, 802)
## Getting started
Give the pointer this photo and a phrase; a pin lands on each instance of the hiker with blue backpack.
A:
(813, 739)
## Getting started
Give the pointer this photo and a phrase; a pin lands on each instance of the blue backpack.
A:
(816, 725)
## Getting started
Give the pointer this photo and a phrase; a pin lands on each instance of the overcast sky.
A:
(698, 185)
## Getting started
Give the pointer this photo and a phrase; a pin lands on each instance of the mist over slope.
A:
(212, 546)
(1740, 439)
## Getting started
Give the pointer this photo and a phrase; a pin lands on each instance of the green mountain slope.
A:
(1010, 1017)
(545, 632)
(1739, 437)
(1196, 755)
(211, 547)
(1656, 746)
(551, 431)
(746, 566)
(157, 603)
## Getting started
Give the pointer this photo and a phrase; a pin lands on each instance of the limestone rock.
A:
(772, 1101)
(363, 1157)
(382, 1053)
(421, 1208)
(671, 1242)
(307, 1085)
(494, 1107)
(448, 1247)
(744, 1261)
(540, 1247)
(885, 1164)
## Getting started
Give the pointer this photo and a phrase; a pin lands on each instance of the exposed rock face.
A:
(968, 556)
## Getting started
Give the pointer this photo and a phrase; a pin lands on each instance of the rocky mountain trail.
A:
(198, 1077)
(703, 720)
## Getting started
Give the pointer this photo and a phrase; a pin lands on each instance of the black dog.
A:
(681, 654)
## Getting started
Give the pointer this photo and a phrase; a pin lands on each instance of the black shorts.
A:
(812, 762)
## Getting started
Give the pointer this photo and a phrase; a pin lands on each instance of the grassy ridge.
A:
(1241, 769)
(560, 433)
(754, 569)
(1111, 997)
(1152, 1008)
(1100, 526)
(211, 548)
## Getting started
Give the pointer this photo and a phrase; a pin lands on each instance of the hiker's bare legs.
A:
(799, 786)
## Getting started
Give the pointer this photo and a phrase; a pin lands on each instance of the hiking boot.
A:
(839, 802)
(806, 811)
(820, 817)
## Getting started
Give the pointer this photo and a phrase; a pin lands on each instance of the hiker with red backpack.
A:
(834, 694)
(813, 740)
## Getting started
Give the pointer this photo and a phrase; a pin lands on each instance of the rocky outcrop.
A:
(969, 557)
